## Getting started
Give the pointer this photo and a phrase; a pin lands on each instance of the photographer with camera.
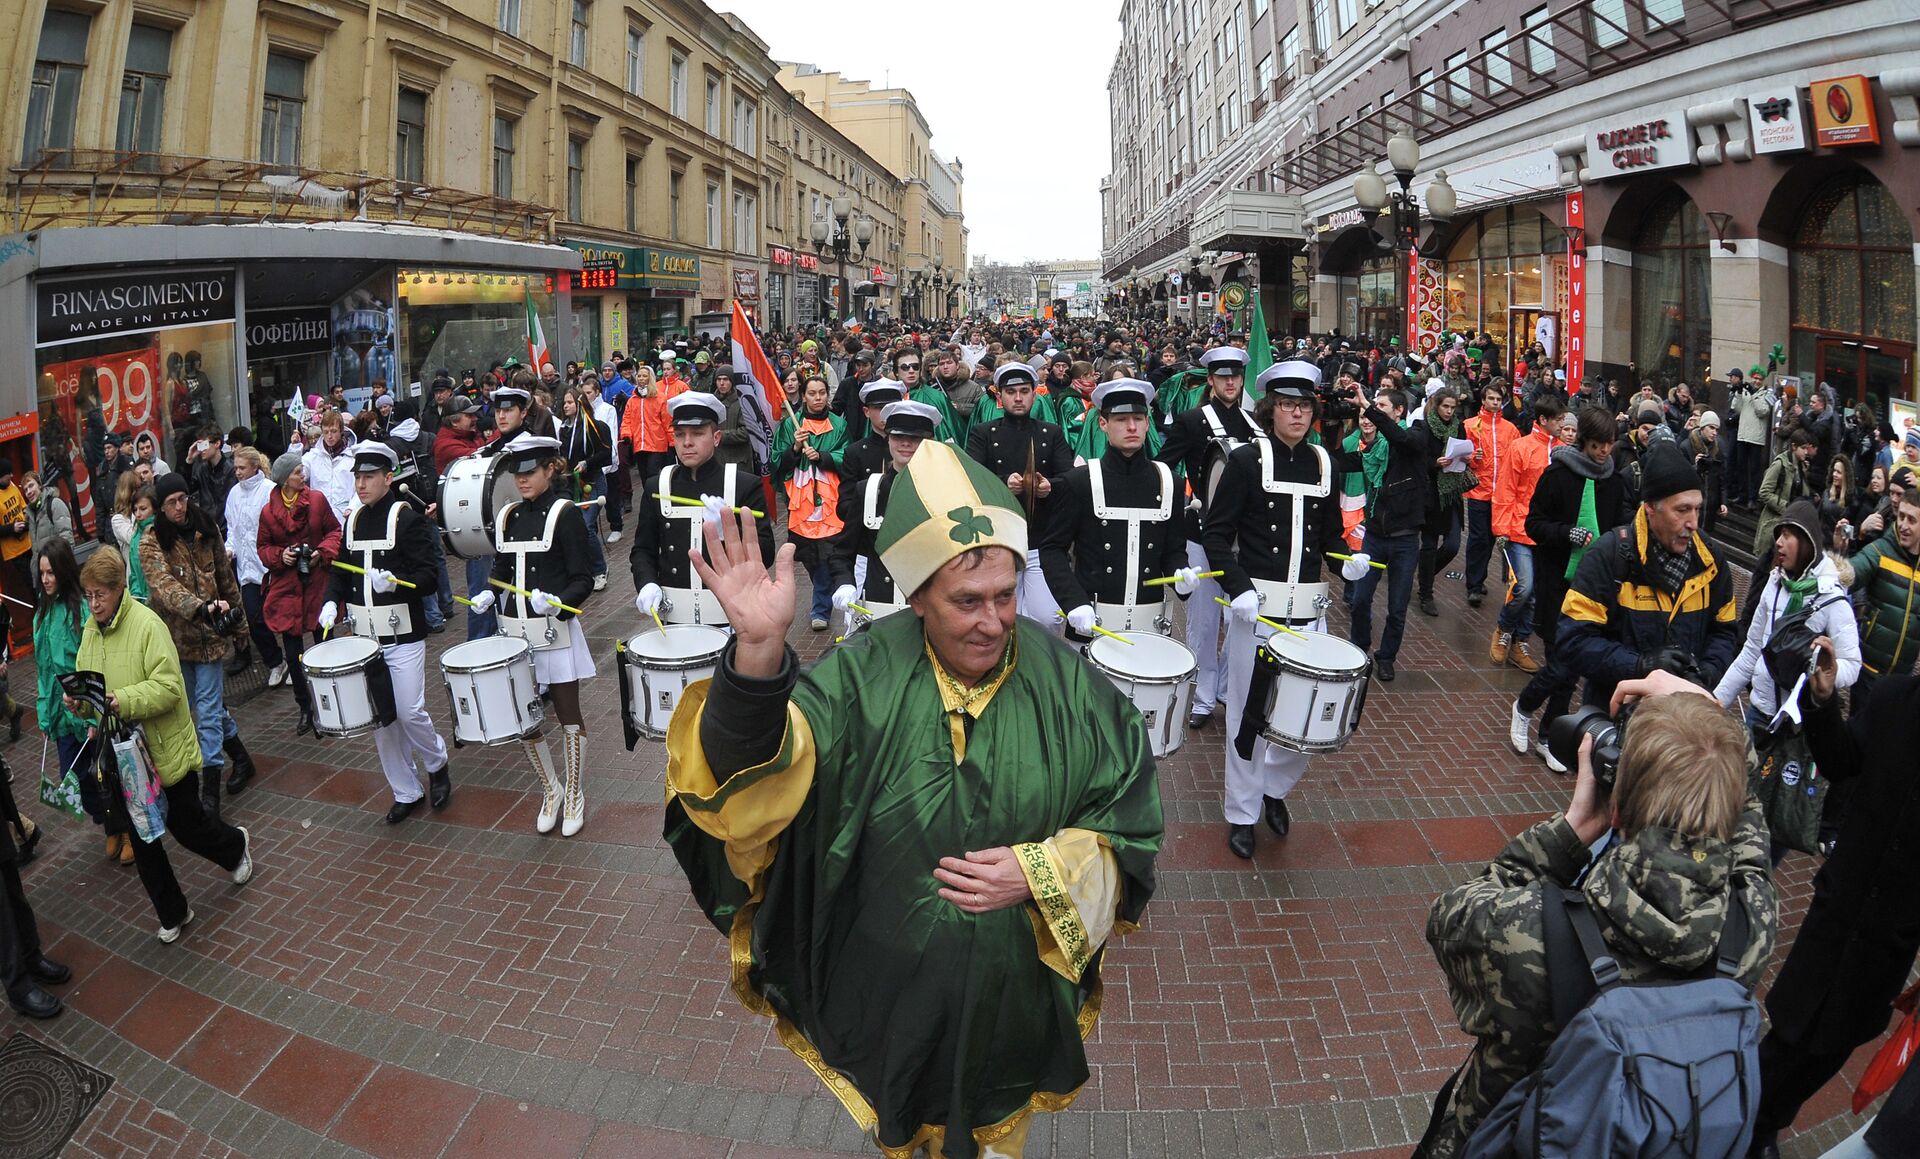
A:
(1650, 595)
(190, 583)
(299, 540)
(1681, 893)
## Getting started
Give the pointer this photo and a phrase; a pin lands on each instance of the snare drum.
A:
(491, 688)
(472, 490)
(346, 701)
(658, 666)
(1156, 673)
(1318, 692)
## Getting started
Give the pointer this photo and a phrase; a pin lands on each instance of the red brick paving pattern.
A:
(1291, 1007)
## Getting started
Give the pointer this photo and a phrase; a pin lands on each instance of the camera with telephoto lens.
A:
(223, 623)
(1609, 737)
(303, 559)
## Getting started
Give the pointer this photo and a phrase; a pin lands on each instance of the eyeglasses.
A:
(1293, 404)
(906, 366)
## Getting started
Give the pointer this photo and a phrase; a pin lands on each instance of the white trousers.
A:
(1036, 602)
(1273, 771)
(411, 737)
(1203, 634)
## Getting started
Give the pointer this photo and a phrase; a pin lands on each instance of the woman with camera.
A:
(298, 540)
(246, 495)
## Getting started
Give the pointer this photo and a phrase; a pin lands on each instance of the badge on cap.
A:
(696, 408)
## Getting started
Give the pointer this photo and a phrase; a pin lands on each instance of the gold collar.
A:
(957, 700)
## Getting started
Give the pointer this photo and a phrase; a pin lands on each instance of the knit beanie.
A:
(284, 467)
(169, 484)
(1665, 471)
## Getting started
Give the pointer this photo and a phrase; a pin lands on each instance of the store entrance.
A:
(1522, 323)
(1866, 372)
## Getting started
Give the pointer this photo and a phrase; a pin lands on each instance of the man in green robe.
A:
(920, 845)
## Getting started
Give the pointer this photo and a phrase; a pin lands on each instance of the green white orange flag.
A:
(538, 356)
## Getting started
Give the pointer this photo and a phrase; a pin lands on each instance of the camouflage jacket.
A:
(1660, 899)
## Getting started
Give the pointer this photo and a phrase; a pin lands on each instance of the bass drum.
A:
(473, 489)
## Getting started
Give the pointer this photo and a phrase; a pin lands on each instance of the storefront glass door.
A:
(1871, 374)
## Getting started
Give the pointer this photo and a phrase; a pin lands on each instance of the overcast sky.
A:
(1017, 89)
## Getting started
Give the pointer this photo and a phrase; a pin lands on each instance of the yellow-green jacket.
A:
(136, 654)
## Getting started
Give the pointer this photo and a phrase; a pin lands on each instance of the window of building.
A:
(576, 178)
(1260, 8)
(143, 89)
(577, 39)
(636, 61)
(1608, 21)
(713, 107)
(1263, 76)
(1322, 25)
(713, 215)
(673, 205)
(633, 194)
(744, 124)
(282, 108)
(1346, 15)
(1672, 318)
(1661, 13)
(746, 236)
(53, 101)
(1458, 91)
(1498, 65)
(509, 17)
(1289, 51)
(504, 128)
(1539, 28)
(410, 136)
(677, 86)
(1423, 89)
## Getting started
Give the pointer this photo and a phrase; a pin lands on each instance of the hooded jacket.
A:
(1890, 626)
(136, 655)
(1832, 617)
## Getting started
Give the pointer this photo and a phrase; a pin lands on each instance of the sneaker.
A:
(1521, 657)
(171, 934)
(277, 675)
(243, 872)
(1517, 730)
(1502, 642)
(600, 583)
(1553, 763)
(613, 537)
(818, 624)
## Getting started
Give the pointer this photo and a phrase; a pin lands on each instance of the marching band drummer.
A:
(390, 541)
(1115, 524)
(1219, 420)
(867, 456)
(1011, 446)
(664, 531)
(540, 547)
(1274, 515)
(859, 575)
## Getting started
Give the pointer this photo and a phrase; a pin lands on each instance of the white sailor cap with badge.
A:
(1123, 396)
(910, 419)
(696, 408)
(882, 391)
(1015, 372)
(511, 396)
(372, 456)
(526, 452)
(1292, 379)
(1225, 360)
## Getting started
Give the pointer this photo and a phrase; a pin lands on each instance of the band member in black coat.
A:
(664, 531)
(863, 457)
(1010, 445)
(859, 576)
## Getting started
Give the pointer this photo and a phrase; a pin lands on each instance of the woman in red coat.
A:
(299, 538)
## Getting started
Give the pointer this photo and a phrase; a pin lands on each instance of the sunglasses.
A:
(907, 366)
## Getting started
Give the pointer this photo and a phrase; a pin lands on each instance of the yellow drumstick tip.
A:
(1102, 631)
(503, 585)
(1348, 558)
(1274, 624)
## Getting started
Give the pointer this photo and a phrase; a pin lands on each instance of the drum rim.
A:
(710, 660)
(449, 664)
(490, 666)
(1302, 668)
(489, 483)
(1110, 671)
(325, 669)
(673, 664)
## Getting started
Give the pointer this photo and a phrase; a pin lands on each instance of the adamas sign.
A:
(1656, 142)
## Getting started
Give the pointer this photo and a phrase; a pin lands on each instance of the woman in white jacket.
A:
(1802, 576)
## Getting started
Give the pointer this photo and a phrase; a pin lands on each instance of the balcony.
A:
(1244, 219)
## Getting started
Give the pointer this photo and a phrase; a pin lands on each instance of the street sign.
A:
(1185, 301)
(1233, 295)
(1175, 277)
(1206, 299)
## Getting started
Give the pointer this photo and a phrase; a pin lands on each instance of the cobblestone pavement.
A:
(459, 985)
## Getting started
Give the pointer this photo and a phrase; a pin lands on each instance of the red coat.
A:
(289, 602)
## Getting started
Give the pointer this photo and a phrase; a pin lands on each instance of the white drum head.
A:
(1317, 651)
(482, 653)
(339, 653)
(677, 642)
(1148, 656)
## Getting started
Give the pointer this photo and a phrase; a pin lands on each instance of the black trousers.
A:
(292, 646)
(188, 824)
(1790, 1074)
(19, 934)
(1439, 543)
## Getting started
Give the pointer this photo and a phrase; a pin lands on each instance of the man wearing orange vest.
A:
(806, 462)
(1491, 435)
(1526, 461)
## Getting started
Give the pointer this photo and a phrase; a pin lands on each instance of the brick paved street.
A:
(460, 985)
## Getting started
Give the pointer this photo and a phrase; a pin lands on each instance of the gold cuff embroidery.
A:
(1071, 949)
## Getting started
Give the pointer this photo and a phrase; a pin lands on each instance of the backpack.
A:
(1648, 1069)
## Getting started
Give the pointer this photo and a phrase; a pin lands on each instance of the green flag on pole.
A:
(1259, 350)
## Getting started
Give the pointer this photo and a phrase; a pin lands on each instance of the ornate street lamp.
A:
(840, 234)
(1374, 198)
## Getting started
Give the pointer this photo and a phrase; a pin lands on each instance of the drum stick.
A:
(1275, 624)
(1174, 579)
(600, 502)
(504, 586)
(1349, 559)
(345, 566)
(1102, 631)
(15, 600)
(867, 612)
(685, 502)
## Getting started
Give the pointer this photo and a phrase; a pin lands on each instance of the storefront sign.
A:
(132, 303)
(1206, 299)
(1656, 142)
(1184, 301)
(289, 333)
(1576, 328)
(1843, 112)
(1339, 220)
(671, 270)
(625, 263)
(808, 262)
(780, 256)
(1775, 120)
(1233, 295)
(746, 284)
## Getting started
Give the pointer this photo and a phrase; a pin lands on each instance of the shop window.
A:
(283, 108)
(1672, 319)
(143, 89)
(410, 136)
(53, 99)
(460, 318)
(504, 130)
(1852, 263)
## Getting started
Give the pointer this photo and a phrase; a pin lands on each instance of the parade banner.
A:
(1576, 327)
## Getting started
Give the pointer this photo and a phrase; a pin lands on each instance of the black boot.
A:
(439, 787)
(210, 791)
(240, 767)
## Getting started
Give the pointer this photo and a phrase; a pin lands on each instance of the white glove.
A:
(329, 612)
(648, 600)
(543, 604)
(1358, 534)
(483, 603)
(382, 580)
(1080, 619)
(715, 508)
(1354, 570)
(844, 595)
(1184, 578)
(1246, 606)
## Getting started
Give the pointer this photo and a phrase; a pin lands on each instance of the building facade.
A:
(1664, 188)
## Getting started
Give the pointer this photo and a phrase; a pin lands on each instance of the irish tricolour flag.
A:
(761, 399)
(538, 356)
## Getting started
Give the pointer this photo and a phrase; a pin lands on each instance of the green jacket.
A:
(1784, 482)
(787, 458)
(55, 640)
(135, 652)
(1890, 629)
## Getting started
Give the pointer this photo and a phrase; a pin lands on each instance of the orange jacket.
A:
(646, 424)
(1520, 474)
(1490, 434)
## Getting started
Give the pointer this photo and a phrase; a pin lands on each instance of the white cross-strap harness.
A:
(693, 604)
(1293, 600)
(1133, 517)
(383, 623)
(540, 632)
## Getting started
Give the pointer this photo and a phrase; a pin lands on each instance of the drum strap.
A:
(366, 547)
(1266, 669)
(672, 510)
(380, 690)
(1133, 517)
(870, 513)
(1300, 492)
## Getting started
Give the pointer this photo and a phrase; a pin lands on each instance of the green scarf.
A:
(1450, 485)
(1798, 590)
(1589, 518)
(1373, 471)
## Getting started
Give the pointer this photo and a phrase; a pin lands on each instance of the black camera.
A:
(1609, 737)
(303, 559)
(223, 623)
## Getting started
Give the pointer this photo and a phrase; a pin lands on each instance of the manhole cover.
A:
(44, 1096)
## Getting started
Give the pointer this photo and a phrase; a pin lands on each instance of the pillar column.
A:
(1610, 312)
(1751, 301)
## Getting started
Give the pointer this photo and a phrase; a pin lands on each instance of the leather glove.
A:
(1080, 619)
(1246, 606)
(843, 595)
(715, 508)
(1354, 570)
(483, 603)
(648, 599)
(329, 612)
(1579, 536)
(1184, 579)
(382, 580)
(543, 604)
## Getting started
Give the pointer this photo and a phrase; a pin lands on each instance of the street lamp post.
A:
(1374, 198)
(840, 234)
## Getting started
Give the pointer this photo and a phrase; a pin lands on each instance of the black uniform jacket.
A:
(1249, 530)
(1084, 557)
(564, 572)
(660, 545)
(856, 540)
(1187, 443)
(412, 558)
(1001, 447)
